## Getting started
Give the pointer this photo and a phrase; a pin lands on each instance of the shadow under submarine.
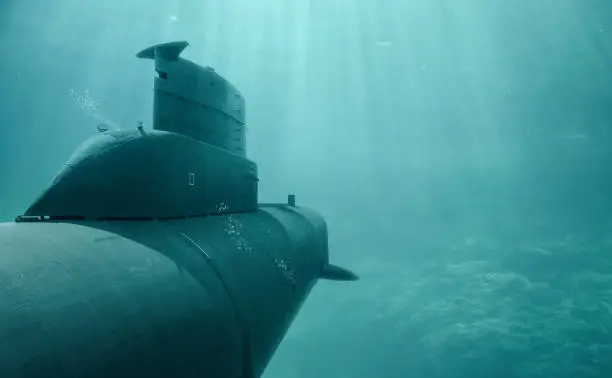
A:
(149, 255)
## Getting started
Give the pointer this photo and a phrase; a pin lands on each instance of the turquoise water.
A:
(459, 150)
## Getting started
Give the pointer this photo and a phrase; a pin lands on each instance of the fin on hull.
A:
(336, 273)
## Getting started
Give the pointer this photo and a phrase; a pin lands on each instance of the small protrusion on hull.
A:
(141, 128)
(291, 200)
(336, 273)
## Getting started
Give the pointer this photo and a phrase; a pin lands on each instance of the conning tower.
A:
(195, 101)
(192, 163)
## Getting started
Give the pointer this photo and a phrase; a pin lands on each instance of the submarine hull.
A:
(210, 296)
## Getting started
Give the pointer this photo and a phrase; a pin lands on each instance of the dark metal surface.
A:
(195, 101)
(124, 174)
(193, 163)
(208, 297)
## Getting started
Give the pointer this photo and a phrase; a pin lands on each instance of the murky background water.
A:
(459, 150)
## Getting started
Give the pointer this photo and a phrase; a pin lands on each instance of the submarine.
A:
(149, 254)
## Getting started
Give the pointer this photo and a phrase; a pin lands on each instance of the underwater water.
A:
(461, 152)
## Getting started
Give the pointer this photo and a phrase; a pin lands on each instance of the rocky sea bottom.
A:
(485, 307)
